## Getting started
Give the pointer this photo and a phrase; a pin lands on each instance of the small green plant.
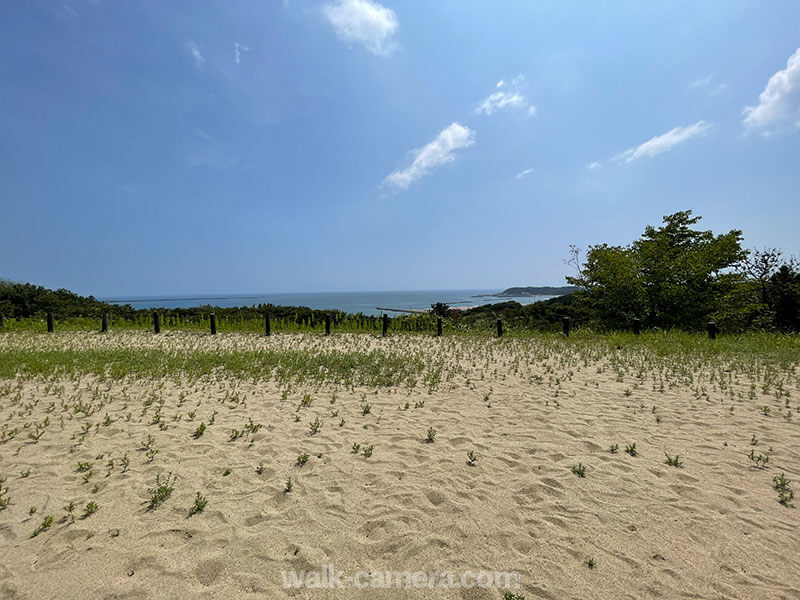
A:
(83, 466)
(227, 472)
(315, 426)
(512, 596)
(32, 511)
(472, 458)
(289, 485)
(754, 440)
(125, 462)
(302, 459)
(356, 448)
(673, 461)
(785, 492)
(614, 448)
(46, 523)
(201, 429)
(590, 563)
(431, 435)
(260, 468)
(25, 473)
(162, 490)
(579, 470)
(367, 452)
(90, 509)
(631, 449)
(199, 505)
(761, 460)
(366, 408)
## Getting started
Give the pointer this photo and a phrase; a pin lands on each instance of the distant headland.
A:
(521, 292)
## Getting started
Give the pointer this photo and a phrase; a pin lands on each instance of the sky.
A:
(189, 147)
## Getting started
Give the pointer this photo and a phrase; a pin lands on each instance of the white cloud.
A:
(436, 153)
(701, 82)
(664, 142)
(523, 174)
(780, 100)
(501, 99)
(199, 61)
(593, 166)
(365, 22)
(238, 50)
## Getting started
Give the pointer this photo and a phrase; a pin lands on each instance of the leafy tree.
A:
(784, 296)
(440, 309)
(673, 276)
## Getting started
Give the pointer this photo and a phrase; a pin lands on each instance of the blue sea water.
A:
(368, 303)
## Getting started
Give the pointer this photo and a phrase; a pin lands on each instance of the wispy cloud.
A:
(780, 100)
(506, 96)
(664, 142)
(199, 61)
(709, 84)
(594, 166)
(365, 22)
(238, 50)
(523, 174)
(438, 152)
(701, 82)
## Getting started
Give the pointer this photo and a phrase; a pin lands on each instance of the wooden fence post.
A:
(327, 324)
(156, 323)
(213, 319)
(385, 328)
(712, 330)
(499, 328)
(439, 326)
(104, 323)
(267, 326)
(565, 326)
(49, 322)
(637, 326)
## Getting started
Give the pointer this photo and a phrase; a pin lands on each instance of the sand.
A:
(712, 528)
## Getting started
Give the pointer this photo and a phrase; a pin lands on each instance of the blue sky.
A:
(276, 146)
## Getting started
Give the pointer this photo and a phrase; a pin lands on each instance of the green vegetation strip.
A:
(375, 368)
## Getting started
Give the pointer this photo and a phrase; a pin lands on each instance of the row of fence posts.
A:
(711, 326)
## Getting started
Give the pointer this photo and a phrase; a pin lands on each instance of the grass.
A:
(673, 461)
(368, 368)
(579, 470)
(162, 490)
(785, 492)
(199, 505)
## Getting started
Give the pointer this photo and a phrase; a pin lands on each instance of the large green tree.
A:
(673, 276)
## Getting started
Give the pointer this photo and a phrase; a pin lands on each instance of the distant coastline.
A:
(529, 291)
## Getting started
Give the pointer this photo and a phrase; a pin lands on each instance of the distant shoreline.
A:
(530, 291)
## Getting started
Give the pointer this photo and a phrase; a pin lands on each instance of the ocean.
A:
(367, 303)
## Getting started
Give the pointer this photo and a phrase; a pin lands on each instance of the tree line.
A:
(674, 276)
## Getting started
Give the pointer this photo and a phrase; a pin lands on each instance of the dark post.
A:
(104, 324)
(156, 323)
(385, 324)
(267, 326)
(712, 330)
(327, 324)
(499, 328)
(49, 322)
(637, 326)
(439, 326)
(2, 321)
(213, 318)
(565, 325)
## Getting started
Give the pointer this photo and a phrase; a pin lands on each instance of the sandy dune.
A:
(529, 409)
